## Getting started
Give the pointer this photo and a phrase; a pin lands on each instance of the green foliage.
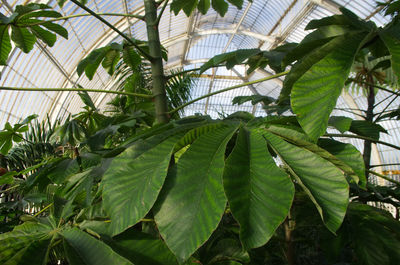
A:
(26, 28)
(260, 193)
(12, 134)
(188, 6)
(120, 190)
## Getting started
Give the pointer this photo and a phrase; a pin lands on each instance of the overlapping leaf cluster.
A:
(27, 24)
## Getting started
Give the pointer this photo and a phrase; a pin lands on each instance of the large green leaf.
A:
(348, 154)
(23, 38)
(26, 244)
(315, 93)
(374, 234)
(367, 129)
(293, 135)
(193, 201)
(322, 181)
(110, 61)
(56, 28)
(230, 59)
(45, 35)
(5, 44)
(133, 181)
(83, 249)
(341, 123)
(259, 193)
(142, 249)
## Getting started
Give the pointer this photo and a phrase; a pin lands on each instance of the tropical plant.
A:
(141, 188)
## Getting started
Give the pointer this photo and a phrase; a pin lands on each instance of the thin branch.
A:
(161, 12)
(11, 188)
(383, 100)
(386, 107)
(82, 15)
(182, 72)
(228, 89)
(384, 165)
(44, 209)
(146, 55)
(352, 112)
(384, 177)
(77, 90)
(361, 137)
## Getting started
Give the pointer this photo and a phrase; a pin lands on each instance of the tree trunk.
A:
(157, 68)
(289, 251)
(369, 117)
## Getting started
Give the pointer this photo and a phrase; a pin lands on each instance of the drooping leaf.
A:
(204, 6)
(198, 193)
(321, 180)
(110, 61)
(315, 93)
(220, 6)
(23, 38)
(253, 98)
(259, 193)
(348, 154)
(45, 35)
(87, 99)
(95, 58)
(83, 249)
(297, 137)
(367, 129)
(133, 181)
(229, 59)
(391, 38)
(5, 44)
(5, 142)
(188, 6)
(131, 57)
(56, 28)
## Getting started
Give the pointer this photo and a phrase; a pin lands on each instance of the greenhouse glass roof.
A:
(190, 42)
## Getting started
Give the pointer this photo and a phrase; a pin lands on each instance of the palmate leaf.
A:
(26, 28)
(134, 179)
(315, 93)
(192, 201)
(259, 193)
(321, 180)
